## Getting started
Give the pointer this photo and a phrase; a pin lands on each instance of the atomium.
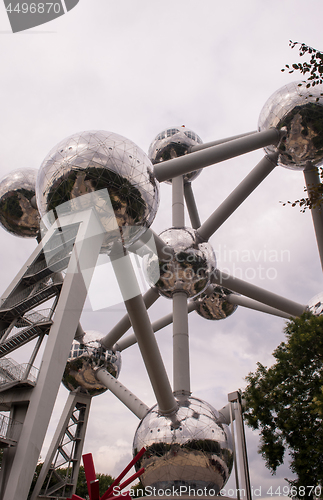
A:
(298, 111)
(174, 142)
(188, 268)
(190, 448)
(18, 213)
(213, 303)
(315, 305)
(83, 359)
(108, 165)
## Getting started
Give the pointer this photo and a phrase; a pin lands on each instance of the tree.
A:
(314, 67)
(285, 403)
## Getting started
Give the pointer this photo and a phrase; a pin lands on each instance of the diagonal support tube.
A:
(238, 196)
(205, 145)
(216, 154)
(122, 393)
(257, 293)
(157, 325)
(191, 206)
(240, 300)
(145, 336)
(312, 179)
(124, 324)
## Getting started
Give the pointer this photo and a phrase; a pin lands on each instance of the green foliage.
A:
(285, 403)
(81, 488)
(313, 69)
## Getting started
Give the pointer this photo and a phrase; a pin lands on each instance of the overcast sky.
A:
(135, 67)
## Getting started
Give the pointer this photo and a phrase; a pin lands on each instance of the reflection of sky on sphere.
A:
(18, 215)
(93, 162)
(171, 143)
(299, 111)
(191, 448)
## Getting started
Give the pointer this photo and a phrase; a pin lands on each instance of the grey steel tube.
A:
(209, 156)
(238, 195)
(181, 361)
(255, 305)
(124, 324)
(157, 325)
(145, 336)
(178, 202)
(191, 206)
(312, 179)
(259, 294)
(122, 393)
(198, 147)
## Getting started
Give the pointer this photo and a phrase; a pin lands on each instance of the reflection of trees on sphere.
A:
(84, 358)
(18, 214)
(188, 269)
(298, 111)
(189, 448)
(93, 162)
(213, 304)
(171, 143)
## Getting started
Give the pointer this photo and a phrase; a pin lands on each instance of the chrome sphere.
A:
(188, 268)
(213, 303)
(298, 111)
(18, 212)
(171, 143)
(191, 448)
(315, 305)
(84, 357)
(109, 165)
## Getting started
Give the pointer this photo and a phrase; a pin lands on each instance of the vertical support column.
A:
(79, 273)
(312, 180)
(245, 490)
(74, 401)
(181, 363)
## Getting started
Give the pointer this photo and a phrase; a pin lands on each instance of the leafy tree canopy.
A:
(313, 69)
(285, 403)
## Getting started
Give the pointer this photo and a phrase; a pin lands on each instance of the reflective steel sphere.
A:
(213, 303)
(191, 448)
(188, 268)
(18, 214)
(171, 143)
(109, 165)
(315, 305)
(298, 111)
(84, 357)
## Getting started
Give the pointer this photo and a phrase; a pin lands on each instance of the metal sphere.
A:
(84, 357)
(190, 448)
(315, 305)
(188, 268)
(171, 143)
(213, 303)
(18, 214)
(109, 165)
(298, 111)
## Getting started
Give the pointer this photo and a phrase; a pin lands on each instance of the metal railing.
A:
(11, 371)
(7, 425)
